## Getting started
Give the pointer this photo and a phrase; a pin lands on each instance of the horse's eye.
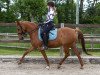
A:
(18, 28)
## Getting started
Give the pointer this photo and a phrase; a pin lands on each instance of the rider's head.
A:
(51, 4)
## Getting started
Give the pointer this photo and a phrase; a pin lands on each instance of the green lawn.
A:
(95, 52)
(20, 51)
(17, 51)
(16, 44)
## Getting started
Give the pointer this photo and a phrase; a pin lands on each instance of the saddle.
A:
(52, 34)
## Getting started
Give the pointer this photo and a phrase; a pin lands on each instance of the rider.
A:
(48, 24)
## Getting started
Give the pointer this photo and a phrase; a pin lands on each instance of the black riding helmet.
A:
(52, 4)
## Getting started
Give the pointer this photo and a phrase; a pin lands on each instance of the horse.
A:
(66, 37)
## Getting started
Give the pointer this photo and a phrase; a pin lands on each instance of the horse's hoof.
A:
(48, 67)
(59, 66)
(19, 62)
(81, 67)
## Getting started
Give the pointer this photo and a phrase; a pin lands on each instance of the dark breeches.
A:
(45, 33)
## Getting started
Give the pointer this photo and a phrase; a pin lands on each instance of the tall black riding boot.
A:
(45, 42)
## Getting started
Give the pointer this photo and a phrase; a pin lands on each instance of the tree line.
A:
(35, 10)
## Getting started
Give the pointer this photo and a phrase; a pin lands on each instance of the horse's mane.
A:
(28, 22)
(31, 23)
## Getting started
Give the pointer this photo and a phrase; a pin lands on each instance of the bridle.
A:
(23, 32)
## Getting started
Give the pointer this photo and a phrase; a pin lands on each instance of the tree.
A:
(92, 15)
(7, 15)
(81, 10)
(97, 13)
(66, 11)
(30, 9)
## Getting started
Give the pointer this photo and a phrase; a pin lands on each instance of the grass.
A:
(16, 44)
(19, 51)
(95, 52)
(28, 45)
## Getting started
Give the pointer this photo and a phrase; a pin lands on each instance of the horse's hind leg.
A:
(78, 54)
(26, 52)
(66, 51)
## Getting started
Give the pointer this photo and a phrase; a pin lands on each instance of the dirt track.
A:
(11, 68)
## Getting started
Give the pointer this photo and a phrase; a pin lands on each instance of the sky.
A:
(85, 3)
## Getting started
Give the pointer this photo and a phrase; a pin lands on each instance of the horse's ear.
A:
(18, 22)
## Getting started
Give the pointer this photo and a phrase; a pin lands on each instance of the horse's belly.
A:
(53, 44)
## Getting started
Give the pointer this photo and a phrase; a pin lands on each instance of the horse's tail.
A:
(81, 40)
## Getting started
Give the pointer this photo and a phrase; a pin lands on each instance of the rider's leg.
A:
(45, 34)
(45, 40)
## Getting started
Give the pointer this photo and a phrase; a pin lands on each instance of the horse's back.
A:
(67, 30)
(67, 35)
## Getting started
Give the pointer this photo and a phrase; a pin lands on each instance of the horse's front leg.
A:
(46, 58)
(26, 52)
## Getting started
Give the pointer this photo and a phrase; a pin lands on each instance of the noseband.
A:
(22, 30)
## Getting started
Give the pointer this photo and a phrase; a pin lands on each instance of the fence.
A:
(13, 37)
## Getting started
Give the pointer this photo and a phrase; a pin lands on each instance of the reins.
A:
(21, 30)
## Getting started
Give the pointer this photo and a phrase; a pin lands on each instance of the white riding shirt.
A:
(50, 15)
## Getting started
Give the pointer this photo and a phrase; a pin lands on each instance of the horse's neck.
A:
(33, 34)
(30, 28)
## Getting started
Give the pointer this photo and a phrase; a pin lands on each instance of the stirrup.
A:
(44, 47)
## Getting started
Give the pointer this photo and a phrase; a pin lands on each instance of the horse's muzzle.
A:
(22, 38)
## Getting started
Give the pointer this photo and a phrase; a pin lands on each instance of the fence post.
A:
(61, 48)
(6, 36)
(91, 41)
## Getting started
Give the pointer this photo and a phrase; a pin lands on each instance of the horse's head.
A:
(20, 30)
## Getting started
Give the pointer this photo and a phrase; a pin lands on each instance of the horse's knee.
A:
(73, 46)
(67, 54)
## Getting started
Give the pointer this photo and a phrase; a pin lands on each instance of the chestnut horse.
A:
(66, 37)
